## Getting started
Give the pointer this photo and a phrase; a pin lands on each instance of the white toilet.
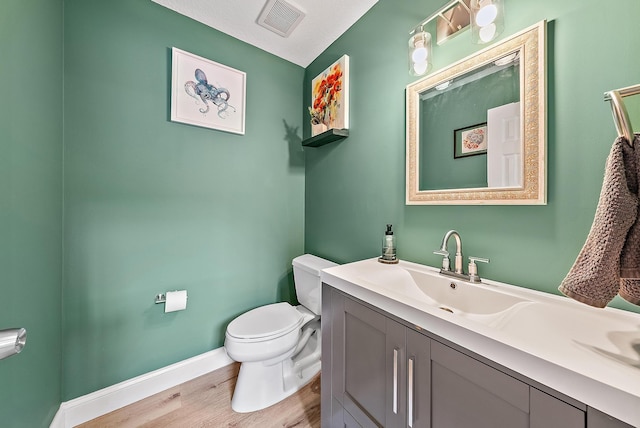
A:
(278, 344)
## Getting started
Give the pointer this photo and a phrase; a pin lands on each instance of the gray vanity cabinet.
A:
(379, 372)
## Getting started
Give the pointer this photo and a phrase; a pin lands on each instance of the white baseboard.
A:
(98, 403)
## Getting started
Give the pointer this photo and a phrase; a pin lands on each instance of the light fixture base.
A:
(453, 21)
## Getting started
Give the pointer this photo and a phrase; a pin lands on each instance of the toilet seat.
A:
(265, 323)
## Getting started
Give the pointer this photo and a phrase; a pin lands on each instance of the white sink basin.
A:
(480, 302)
(463, 297)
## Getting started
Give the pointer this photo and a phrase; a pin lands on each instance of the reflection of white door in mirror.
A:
(504, 146)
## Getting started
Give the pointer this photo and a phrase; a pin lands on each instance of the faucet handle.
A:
(445, 259)
(473, 268)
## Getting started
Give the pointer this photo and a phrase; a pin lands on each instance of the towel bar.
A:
(620, 115)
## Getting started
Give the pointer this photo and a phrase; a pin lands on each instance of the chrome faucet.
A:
(443, 251)
(458, 271)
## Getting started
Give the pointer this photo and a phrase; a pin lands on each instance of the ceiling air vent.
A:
(280, 17)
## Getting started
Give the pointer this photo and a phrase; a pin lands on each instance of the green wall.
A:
(152, 205)
(31, 207)
(355, 187)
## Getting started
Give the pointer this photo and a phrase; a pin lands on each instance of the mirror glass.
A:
(476, 130)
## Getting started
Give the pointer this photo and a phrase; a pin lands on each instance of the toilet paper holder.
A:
(173, 300)
(12, 341)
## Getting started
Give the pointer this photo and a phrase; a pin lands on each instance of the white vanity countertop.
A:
(589, 354)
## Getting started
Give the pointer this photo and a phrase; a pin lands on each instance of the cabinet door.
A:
(597, 419)
(550, 412)
(368, 373)
(349, 422)
(466, 393)
(340, 418)
(328, 409)
(418, 380)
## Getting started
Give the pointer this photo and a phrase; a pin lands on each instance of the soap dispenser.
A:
(388, 247)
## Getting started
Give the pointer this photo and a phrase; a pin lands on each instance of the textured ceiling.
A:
(325, 21)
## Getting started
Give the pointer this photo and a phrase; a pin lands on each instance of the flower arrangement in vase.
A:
(317, 122)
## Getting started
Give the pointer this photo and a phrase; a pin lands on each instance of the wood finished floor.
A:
(206, 402)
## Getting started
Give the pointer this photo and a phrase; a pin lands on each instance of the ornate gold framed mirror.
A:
(476, 130)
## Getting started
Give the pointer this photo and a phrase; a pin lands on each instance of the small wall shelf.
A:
(325, 138)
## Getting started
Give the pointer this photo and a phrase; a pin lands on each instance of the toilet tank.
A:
(306, 275)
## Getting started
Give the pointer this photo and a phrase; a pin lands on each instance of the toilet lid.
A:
(265, 321)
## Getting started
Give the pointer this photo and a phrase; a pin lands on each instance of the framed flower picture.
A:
(206, 93)
(330, 98)
(470, 141)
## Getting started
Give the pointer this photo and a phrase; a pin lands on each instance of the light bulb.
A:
(487, 33)
(486, 15)
(420, 53)
(506, 60)
(443, 85)
(420, 67)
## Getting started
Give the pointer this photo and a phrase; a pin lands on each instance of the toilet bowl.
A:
(278, 345)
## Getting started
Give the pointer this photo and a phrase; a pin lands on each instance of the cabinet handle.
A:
(410, 392)
(395, 381)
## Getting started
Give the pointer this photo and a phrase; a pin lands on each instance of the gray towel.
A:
(630, 258)
(595, 277)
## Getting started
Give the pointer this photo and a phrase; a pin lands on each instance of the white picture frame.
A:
(206, 93)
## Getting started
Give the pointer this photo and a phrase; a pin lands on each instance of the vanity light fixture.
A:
(487, 20)
(419, 52)
(485, 17)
